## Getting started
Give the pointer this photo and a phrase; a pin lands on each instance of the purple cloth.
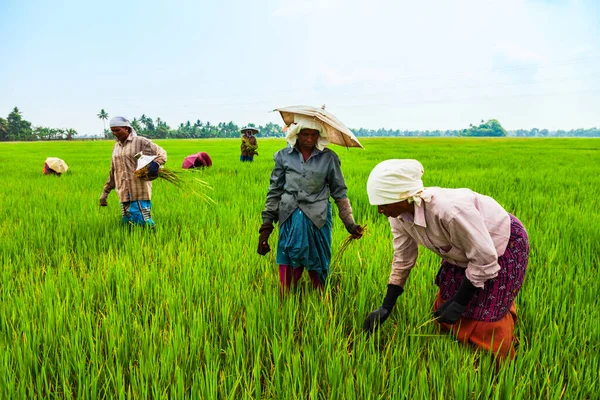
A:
(197, 160)
(491, 303)
(287, 273)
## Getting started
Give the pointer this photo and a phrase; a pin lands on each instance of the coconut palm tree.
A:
(70, 133)
(103, 115)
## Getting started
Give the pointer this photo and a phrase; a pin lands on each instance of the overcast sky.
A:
(376, 64)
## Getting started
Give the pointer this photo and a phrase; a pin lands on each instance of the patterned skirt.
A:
(491, 303)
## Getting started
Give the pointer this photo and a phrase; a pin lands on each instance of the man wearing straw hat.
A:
(134, 193)
(484, 252)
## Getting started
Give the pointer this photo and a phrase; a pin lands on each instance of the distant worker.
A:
(484, 252)
(134, 193)
(249, 144)
(54, 166)
(198, 160)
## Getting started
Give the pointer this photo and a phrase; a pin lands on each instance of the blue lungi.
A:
(137, 212)
(301, 243)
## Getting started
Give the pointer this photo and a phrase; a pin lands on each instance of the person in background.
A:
(134, 193)
(197, 160)
(484, 252)
(54, 166)
(305, 175)
(249, 144)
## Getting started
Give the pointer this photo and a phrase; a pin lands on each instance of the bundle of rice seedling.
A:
(188, 185)
(345, 245)
(192, 181)
(163, 173)
(247, 147)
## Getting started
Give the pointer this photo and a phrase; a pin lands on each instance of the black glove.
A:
(263, 239)
(355, 230)
(153, 170)
(379, 316)
(451, 311)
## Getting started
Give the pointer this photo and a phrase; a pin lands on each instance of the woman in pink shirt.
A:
(484, 252)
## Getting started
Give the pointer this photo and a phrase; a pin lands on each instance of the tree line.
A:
(16, 128)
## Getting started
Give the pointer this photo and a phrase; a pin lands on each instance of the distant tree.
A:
(147, 126)
(70, 133)
(490, 128)
(534, 132)
(103, 115)
(162, 129)
(135, 124)
(42, 132)
(3, 130)
(18, 128)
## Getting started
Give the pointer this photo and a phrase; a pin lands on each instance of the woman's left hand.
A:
(449, 312)
(153, 168)
(356, 231)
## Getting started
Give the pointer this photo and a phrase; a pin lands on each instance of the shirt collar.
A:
(418, 218)
(314, 152)
(420, 215)
(129, 139)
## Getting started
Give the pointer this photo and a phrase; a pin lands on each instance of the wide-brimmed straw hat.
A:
(249, 128)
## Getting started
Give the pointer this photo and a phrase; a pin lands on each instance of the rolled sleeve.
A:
(152, 148)
(406, 250)
(469, 233)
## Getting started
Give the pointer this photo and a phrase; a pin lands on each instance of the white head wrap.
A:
(121, 121)
(302, 122)
(392, 181)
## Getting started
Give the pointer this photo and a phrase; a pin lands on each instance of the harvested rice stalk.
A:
(163, 173)
(187, 185)
(344, 246)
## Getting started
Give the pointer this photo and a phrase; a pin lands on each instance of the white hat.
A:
(304, 122)
(392, 181)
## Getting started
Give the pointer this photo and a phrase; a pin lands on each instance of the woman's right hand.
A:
(356, 231)
(263, 247)
(263, 239)
(375, 318)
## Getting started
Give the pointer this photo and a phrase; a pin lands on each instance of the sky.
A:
(393, 64)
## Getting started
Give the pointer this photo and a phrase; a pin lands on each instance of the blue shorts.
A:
(247, 158)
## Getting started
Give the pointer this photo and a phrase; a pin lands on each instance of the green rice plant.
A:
(90, 309)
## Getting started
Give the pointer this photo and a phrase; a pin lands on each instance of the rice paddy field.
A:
(91, 310)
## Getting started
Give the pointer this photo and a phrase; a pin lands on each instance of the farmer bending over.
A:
(484, 252)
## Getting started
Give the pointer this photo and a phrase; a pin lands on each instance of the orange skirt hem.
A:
(496, 337)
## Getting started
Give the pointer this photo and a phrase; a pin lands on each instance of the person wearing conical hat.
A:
(249, 144)
(54, 166)
(134, 193)
(484, 251)
(305, 175)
